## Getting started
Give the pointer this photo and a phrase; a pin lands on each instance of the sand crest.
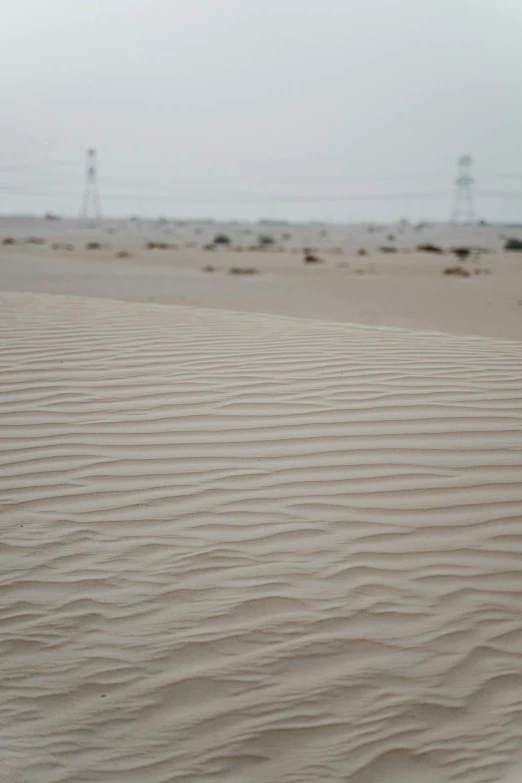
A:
(254, 548)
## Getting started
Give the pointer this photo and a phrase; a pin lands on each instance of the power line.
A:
(238, 197)
(42, 182)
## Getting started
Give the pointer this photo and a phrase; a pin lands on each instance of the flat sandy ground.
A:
(247, 547)
(406, 289)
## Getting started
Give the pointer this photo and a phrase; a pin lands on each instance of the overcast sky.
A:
(327, 109)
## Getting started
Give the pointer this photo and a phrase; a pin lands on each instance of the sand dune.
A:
(253, 548)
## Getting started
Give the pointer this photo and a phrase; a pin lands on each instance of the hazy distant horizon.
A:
(154, 194)
(263, 220)
(333, 204)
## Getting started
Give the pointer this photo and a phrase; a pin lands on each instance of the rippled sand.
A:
(250, 548)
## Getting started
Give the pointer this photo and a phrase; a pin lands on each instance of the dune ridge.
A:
(256, 548)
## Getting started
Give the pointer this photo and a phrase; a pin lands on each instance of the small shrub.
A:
(388, 249)
(158, 246)
(462, 252)
(390, 238)
(362, 252)
(242, 270)
(210, 246)
(35, 241)
(122, 254)
(428, 248)
(310, 257)
(265, 240)
(222, 239)
(51, 216)
(457, 271)
(513, 244)
(93, 246)
(8, 241)
(209, 268)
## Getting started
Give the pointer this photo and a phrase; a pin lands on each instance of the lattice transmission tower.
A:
(91, 205)
(463, 207)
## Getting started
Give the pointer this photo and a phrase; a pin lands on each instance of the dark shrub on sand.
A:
(222, 239)
(242, 270)
(265, 240)
(457, 271)
(157, 246)
(310, 257)
(462, 252)
(427, 248)
(513, 244)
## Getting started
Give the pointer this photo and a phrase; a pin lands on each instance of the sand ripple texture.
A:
(249, 548)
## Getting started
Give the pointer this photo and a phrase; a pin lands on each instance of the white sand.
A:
(248, 548)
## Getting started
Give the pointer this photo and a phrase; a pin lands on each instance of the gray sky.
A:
(327, 109)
